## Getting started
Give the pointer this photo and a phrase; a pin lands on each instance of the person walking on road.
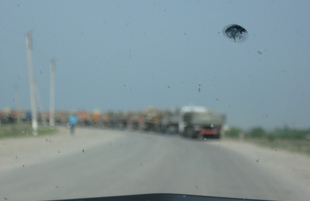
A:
(72, 123)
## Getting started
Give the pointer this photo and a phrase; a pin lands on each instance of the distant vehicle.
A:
(169, 121)
(84, 118)
(151, 119)
(195, 122)
(27, 116)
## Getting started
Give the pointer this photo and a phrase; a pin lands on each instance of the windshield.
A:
(106, 98)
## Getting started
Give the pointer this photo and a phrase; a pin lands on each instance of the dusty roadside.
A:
(19, 152)
(292, 167)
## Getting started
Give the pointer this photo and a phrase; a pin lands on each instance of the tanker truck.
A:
(196, 122)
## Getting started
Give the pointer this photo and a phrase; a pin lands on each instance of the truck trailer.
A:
(196, 122)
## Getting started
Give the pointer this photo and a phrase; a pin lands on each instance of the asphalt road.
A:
(139, 163)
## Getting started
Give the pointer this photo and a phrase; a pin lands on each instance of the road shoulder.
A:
(23, 152)
(294, 166)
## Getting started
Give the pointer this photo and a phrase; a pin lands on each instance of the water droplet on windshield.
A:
(235, 32)
(257, 160)
(259, 52)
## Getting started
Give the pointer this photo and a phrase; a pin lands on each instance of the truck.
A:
(151, 119)
(196, 122)
(84, 117)
(135, 121)
(169, 121)
(96, 118)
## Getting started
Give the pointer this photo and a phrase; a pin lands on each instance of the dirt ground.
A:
(295, 167)
(16, 152)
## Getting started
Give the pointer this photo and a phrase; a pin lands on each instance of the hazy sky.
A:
(129, 55)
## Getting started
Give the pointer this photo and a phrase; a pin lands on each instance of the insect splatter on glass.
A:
(235, 32)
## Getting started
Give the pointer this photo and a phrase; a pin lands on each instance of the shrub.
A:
(256, 132)
(233, 132)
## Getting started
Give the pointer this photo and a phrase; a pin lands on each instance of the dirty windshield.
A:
(110, 98)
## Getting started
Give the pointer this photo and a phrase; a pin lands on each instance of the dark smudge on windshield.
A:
(235, 32)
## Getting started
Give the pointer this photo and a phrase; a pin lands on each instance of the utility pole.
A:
(40, 107)
(17, 103)
(52, 94)
(31, 84)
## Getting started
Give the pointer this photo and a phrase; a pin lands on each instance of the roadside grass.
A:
(293, 140)
(292, 145)
(23, 130)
